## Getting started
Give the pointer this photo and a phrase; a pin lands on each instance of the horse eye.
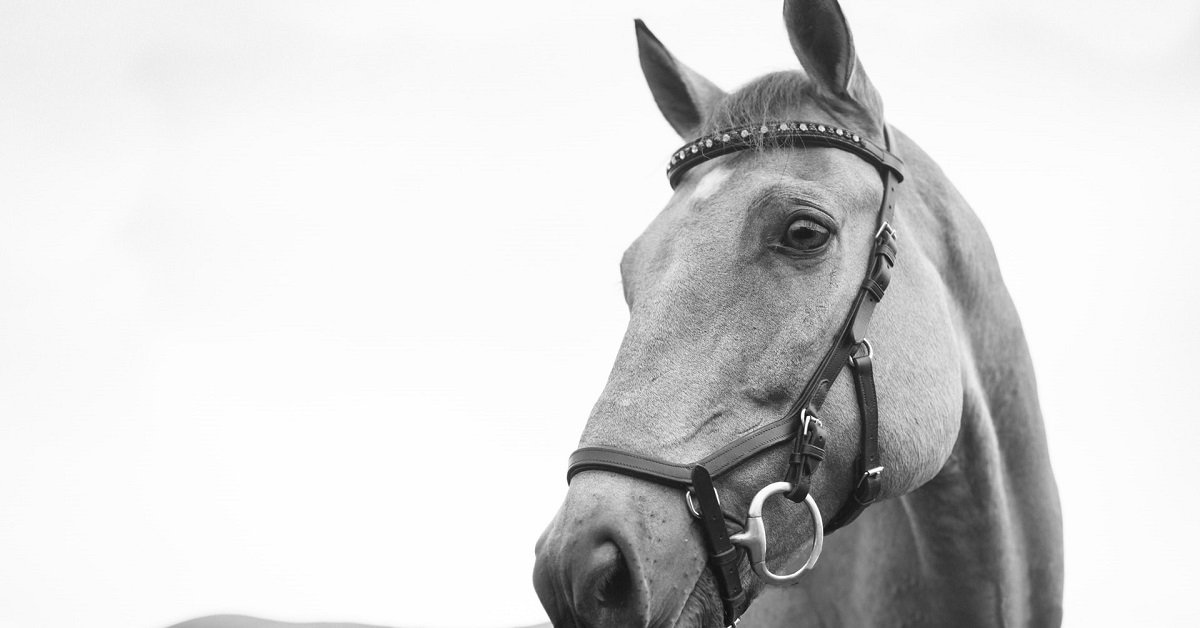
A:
(805, 235)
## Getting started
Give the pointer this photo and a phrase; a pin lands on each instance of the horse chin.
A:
(702, 608)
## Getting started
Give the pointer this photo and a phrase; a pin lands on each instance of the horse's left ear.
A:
(822, 41)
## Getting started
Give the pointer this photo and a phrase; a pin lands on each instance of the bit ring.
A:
(754, 538)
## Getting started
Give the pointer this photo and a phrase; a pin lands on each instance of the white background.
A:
(303, 306)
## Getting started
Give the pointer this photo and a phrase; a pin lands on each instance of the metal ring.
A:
(691, 506)
(870, 350)
(754, 539)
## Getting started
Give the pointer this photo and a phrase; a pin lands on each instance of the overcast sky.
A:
(278, 281)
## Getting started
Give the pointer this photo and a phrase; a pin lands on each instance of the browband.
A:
(780, 135)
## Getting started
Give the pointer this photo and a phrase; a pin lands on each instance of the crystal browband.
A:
(775, 135)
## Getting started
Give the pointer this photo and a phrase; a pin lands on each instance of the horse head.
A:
(735, 292)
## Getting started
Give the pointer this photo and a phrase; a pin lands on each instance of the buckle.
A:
(886, 227)
(805, 417)
(871, 473)
(874, 472)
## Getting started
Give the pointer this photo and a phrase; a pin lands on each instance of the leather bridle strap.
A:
(723, 557)
(850, 338)
(867, 466)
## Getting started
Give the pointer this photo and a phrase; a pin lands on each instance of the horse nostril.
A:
(613, 584)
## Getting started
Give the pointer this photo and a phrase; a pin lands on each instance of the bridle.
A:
(800, 424)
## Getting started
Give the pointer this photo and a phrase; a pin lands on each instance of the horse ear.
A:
(822, 41)
(683, 96)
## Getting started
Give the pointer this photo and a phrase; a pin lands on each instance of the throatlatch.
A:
(800, 424)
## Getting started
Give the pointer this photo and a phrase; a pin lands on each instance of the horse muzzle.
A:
(619, 552)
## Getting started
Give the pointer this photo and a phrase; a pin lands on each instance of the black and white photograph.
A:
(398, 314)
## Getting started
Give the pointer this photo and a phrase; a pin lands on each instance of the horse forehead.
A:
(710, 183)
(696, 225)
(709, 222)
(829, 173)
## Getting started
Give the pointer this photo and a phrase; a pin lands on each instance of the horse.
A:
(735, 292)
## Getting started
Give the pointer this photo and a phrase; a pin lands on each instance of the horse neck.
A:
(981, 543)
(989, 524)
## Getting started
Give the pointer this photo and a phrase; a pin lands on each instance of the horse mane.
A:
(784, 95)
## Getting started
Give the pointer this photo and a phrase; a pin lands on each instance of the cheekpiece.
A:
(784, 134)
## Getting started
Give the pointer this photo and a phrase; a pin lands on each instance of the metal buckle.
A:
(805, 417)
(869, 473)
(691, 506)
(885, 227)
(754, 538)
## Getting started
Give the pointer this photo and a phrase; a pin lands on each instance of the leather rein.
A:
(800, 424)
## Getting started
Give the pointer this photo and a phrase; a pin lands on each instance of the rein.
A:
(800, 424)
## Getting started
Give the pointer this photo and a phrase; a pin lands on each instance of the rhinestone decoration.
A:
(753, 137)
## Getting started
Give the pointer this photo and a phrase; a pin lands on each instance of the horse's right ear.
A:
(683, 96)
(822, 41)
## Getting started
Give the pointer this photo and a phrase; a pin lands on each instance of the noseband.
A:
(800, 425)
